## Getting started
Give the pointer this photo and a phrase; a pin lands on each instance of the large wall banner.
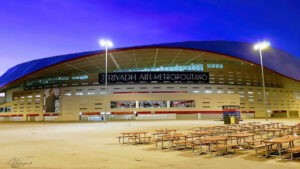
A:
(125, 77)
(51, 100)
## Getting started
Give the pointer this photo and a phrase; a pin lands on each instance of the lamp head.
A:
(262, 45)
(105, 42)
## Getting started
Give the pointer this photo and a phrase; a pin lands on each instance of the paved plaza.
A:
(43, 145)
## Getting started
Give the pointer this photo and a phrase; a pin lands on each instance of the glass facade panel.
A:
(215, 66)
(5, 109)
(194, 67)
(182, 103)
(122, 104)
(152, 104)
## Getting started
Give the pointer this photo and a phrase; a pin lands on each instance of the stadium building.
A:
(182, 80)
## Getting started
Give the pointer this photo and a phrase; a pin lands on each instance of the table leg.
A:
(279, 149)
(210, 148)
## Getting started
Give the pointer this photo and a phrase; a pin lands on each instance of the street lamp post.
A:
(106, 44)
(261, 46)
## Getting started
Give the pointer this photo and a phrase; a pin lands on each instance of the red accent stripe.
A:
(144, 112)
(4, 115)
(169, 92)
(32, 115)
(121, 113)
(16, 115)
(128, 92)
(54, 114)
(91, 113)
(188, 112)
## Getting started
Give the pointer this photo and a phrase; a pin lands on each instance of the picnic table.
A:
(201, 134)
(286, 128)
(135, 136)
(241, 136)
(205, 128)
(214, 140)
(274, 124)
(177, 137)
(281, 140)
(165, 131)
(272, 130)
(161, 132)
(236, 129)
(220, 129)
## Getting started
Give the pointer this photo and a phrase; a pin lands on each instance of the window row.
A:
(193, 67)
(215, 66)
(152, 104)
(52, 80)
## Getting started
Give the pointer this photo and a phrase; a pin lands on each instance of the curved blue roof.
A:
(274, 59)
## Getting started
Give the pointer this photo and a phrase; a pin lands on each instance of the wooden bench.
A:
(136, 139)
(162, 140)
(123, 137)
(199, 144)
(251, 143)
(120, 137)
(293, 151)
(223, 149)
(184, 144)
(266, 146)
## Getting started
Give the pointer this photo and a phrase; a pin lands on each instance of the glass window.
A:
(79, 94)
(182, 103)
(152, 104)
(7, 109)
(191, 67)
(180, 68)
(83, 77)
(122, 104)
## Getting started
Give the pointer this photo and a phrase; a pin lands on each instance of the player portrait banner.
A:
(138, 77)
(51, 100)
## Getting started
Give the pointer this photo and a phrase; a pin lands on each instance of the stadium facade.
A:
(182, 80)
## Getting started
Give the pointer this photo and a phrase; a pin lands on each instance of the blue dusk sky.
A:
(31, 29)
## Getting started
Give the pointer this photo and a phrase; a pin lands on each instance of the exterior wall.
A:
(210, 103)
(9, 94)
(26, 104)
(251, 97)
(208, 98)
(2, 100)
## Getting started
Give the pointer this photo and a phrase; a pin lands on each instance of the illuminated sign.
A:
(148, 77)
